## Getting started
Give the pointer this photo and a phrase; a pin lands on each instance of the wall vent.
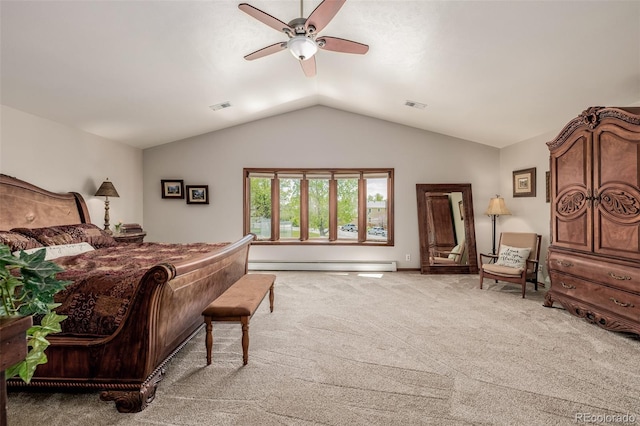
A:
(414, 104)
(218, 107)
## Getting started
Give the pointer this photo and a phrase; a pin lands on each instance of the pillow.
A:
(513, 257)
(454, 252)
(54, 252)
(17, 241)
(70, 234)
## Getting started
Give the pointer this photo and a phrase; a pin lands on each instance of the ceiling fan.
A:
(304, 41)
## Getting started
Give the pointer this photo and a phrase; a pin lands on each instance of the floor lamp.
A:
(496, 208)
(107, 190)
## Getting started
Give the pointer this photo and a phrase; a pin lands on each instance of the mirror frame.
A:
(469, 228)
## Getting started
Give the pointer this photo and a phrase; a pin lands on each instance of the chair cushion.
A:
(442, 260)
(513, 257)
(505, 271)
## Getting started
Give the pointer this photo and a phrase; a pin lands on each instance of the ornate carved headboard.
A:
(27, 206)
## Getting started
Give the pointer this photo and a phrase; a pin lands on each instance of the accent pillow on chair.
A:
(513, 257)
(454, 252)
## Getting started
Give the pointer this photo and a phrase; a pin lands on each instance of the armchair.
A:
(505, 265)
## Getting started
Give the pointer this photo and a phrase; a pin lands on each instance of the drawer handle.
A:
(619, 277)
(563, 263)
(624, 305)
(567, 285)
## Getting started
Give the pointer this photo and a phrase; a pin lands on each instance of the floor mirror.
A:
(446, 227)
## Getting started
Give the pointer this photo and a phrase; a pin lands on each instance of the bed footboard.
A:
(164, 314)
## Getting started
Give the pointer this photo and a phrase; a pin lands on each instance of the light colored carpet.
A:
(400, 349)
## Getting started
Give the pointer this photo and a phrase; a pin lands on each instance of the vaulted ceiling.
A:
(146, 72)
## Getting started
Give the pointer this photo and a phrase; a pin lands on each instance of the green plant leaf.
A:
(28, 285)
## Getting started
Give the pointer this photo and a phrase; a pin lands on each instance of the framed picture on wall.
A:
(524, 183)
(172, 188)
(197, 194)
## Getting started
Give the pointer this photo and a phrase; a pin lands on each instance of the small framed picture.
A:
(172, 188)
(197, 194)
(524, 183)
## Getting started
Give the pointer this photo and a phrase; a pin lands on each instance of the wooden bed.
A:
(164, 312)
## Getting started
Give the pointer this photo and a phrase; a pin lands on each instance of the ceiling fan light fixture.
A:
(302, 47)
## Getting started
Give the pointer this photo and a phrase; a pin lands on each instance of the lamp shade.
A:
(497, 207)
(302, 47)
(107, 190)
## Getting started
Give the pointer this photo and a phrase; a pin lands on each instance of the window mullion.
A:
(333, 209)
(362, 209)
(275, 209)
(304, 209)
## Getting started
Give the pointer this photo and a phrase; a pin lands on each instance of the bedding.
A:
(54, 252)
(16, 241)
(131, 307)
(69, 234)
(104, 281)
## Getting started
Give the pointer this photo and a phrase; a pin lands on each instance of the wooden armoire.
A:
(594, 257)
(442, 234)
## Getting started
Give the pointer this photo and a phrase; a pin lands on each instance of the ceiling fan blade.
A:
(266, 51)
(336, 44)
(309, 66)
(323, 14)
(264, 17)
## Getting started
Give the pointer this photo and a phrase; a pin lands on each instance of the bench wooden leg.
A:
(245, 339)
(209, 338)
(271, 298)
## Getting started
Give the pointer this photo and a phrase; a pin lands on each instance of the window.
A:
(319, 206)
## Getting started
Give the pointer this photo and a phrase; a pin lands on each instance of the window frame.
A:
(332, 239)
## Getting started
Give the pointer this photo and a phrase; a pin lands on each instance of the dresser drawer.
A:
(619, 302)
(597, 269)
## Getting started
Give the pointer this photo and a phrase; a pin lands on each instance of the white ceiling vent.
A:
(414, 104)
(218, 107)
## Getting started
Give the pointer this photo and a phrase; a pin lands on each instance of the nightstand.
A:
(133, 237)
(13, 341)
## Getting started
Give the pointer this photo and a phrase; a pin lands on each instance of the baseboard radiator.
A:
(338, 266)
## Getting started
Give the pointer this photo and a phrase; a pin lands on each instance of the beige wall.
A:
(529, 214)
(60, 159)
(46, 153)
(313, 137)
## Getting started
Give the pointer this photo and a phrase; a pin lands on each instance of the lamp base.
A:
(107, 227)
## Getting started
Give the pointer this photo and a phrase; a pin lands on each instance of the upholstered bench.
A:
(238, 304)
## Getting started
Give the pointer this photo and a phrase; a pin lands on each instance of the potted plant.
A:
(27, 286)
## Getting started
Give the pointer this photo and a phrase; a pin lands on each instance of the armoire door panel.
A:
(619, 239)
(617, 158)
(571, 188)
(573, 164)
(571, 233)
(616, 227)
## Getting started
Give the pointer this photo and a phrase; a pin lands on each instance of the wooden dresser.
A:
(594, 257)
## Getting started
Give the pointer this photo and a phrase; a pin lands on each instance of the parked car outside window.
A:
(377, 230)
(349, 227)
